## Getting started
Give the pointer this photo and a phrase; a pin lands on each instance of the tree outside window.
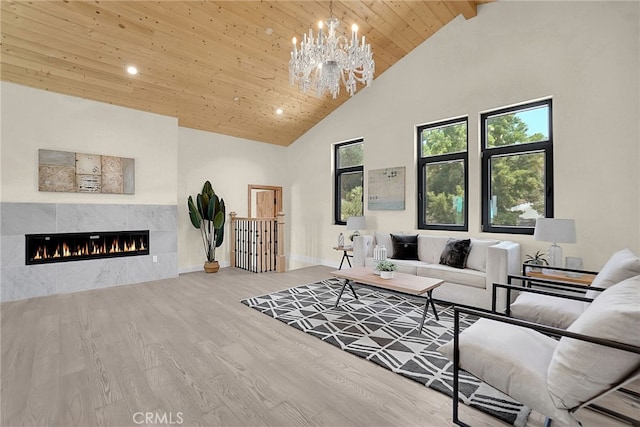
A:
(349, 180)
(442, 170)
(517, 167)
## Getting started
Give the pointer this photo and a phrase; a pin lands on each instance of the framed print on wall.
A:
(386, 189)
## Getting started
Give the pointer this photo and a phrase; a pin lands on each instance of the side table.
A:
(580, 277)
(345, 254)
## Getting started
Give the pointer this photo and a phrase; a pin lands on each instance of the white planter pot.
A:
(386, 274)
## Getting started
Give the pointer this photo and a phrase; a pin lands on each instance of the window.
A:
(517, 167)
(349, 180)
(442, 175)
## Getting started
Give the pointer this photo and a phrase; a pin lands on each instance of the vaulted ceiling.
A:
(219, 66)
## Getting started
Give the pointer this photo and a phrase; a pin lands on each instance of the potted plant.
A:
(386, 269)
(208, 215)
(536, 259)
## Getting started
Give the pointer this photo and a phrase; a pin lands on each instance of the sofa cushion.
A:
(405, 246)
(430, 248)
(477, 259)
(488, 352)
(581, 370)
(547, 310)
(622, 265)
(455, 253)
(465, 276)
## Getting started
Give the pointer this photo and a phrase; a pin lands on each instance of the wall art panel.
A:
(62, 171)
(386, 189)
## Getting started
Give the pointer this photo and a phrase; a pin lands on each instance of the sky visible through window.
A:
(537, 120)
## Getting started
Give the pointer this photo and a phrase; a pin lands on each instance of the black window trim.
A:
(337, 202)
(487, 153)
(439, 159)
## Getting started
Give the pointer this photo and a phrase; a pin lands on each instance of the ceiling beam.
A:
(468, 9)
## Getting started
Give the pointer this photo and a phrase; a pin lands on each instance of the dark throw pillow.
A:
(405, 246)
(455, 253)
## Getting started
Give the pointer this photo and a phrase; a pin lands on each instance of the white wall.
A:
(171, 162)
(585, 55)
(34, 119)
(231, 164)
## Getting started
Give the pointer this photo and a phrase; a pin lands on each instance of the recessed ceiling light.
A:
(235, 98)
(132, 70)
(279, 111)
(268, 31)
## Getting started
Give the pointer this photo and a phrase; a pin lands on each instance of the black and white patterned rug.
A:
(382, 327)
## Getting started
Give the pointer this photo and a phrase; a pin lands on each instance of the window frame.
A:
(488, 153)
(440, 159)
(337, 201)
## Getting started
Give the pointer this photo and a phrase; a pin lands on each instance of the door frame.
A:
(277, 190)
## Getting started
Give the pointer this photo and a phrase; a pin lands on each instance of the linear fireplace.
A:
(63, 247)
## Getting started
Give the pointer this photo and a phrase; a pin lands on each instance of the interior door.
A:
(266, 204)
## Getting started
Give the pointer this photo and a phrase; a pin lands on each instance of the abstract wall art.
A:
(63, 171)
(386, 189)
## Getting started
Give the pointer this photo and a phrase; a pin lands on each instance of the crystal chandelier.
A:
(322, 62)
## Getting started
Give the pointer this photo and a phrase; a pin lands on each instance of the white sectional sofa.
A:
(488, 261)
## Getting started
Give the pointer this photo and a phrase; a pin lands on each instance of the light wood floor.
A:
(187, 350)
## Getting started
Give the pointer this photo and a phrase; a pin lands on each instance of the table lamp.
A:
(555, 230)
(356, 223)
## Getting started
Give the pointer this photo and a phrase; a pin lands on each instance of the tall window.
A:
(442, 175)
(517, 167)
(349, 180)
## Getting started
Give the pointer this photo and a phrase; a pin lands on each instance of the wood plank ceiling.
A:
(219, 66)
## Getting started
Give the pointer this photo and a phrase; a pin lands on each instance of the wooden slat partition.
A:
(257, 244)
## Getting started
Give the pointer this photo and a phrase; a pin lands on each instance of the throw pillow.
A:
(621, 266)
(405, 246)
(581, 370)
(455, 253)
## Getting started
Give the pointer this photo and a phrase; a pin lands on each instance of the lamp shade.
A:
(356, 223)
(555, 230)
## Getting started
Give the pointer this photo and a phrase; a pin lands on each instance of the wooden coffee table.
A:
(405, 284)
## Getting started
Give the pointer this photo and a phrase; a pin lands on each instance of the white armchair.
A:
(560, 311)
(598, 353)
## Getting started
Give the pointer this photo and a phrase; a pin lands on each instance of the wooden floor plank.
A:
(76, 408)
(188, 346)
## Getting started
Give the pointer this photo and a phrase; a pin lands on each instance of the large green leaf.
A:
(218, 221)
(219, 237)
(194, 215)
(207, 189)
(212, 207)
(199, 204)
(205, 206)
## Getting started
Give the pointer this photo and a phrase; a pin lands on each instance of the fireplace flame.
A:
(93, 247)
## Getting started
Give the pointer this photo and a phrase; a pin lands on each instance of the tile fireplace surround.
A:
(20, 281)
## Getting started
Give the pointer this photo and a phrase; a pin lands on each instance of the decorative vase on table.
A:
(379, 254)
(386, 274)
(575, 263)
